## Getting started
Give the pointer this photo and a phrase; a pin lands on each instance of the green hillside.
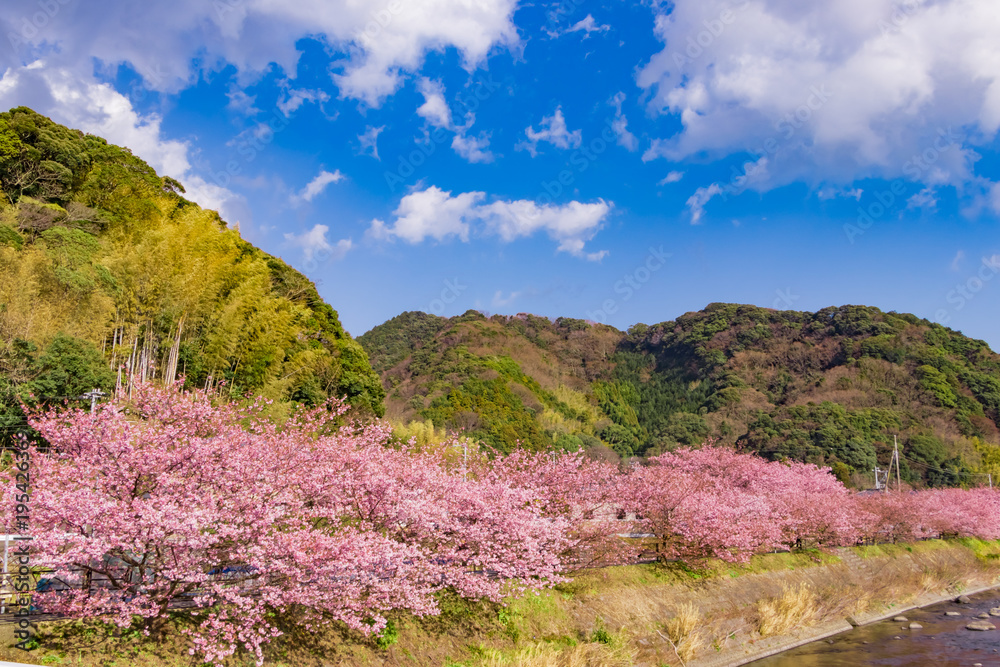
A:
(107, 272)
(502, 379)
(831, 387)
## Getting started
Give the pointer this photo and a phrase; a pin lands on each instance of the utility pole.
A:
(465, 458)
(895, 456)
(881, 479)
(93, 395)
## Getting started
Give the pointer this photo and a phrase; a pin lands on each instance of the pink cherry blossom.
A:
(171, 502)
(170, 496)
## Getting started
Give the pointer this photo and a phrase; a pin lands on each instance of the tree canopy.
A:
(99, 252)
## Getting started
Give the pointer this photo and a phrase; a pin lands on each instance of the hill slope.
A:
(104, 265)
(502, 379)
(831, 387)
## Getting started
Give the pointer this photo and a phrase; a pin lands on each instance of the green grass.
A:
(988, 551)
(388, 636)
(654, 574)
(896, 550)
(537, 617)
(601, 634)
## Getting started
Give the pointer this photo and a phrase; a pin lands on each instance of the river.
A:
(944, 640)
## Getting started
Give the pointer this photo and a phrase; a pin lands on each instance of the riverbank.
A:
(938, 634)
(643, 615)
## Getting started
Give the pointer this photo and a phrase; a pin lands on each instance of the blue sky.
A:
(616, 161)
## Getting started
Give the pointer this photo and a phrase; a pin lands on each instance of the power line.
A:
(928, 466)
(954, 473)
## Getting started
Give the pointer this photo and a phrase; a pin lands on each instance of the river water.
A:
(944, 640)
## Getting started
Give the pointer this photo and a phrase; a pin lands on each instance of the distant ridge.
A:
(830, 387)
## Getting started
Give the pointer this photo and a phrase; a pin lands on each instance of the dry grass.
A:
(796, 607)
(548, 655)
(684, 633)
(859, 603)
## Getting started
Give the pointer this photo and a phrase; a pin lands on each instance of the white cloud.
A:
(572, 224)
(315, 246)
(473, 149)
(98, 109)
(369, 141)
(994, 197)
(242, 103)
(923, 199)
(587, 25)
(620, 125)
(830, 192)
(316, 186)
(754, 175)
(698, 200)
(435, 109)
(845, 90)
(956, 262)
(672, 177)
(171, 44)
(501, 301)
(231, 206)
(431, 213)
(434, 213)
(554, 131)
(296, 97)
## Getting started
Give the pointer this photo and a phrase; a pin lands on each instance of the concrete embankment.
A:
(736, 615)
(872, 584)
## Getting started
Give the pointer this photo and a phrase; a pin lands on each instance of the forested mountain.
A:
(502, 379)
(831, 387)
(108, 273)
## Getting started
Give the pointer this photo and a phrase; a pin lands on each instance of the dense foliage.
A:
(107, 274)
(508, 381)
(393, 341)
(104, 263)
(830, 388)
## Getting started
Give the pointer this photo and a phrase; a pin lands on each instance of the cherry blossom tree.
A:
(812, 506)
(587, 494)
(170, 496)
(914, 515)
(173, 504)
(707, 502)
(717, 502)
